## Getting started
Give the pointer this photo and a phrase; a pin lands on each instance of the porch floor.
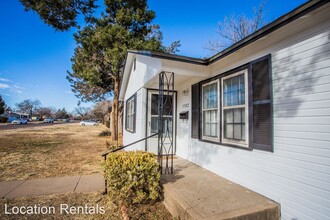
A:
(193, 192)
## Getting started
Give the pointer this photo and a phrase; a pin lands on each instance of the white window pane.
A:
(234, 83)
(234, 91)
(206, 129)
(214, 116)
(154, 124)
(242, 97)
(237, 132)
(234, 98)
(237, 115)
(243, 133)
(242, 90)
(229, 131)
(243, 115)
(229, 116)
(128, 107)
(131, 122)
(214, 130)
(210, 96)
(205, 117)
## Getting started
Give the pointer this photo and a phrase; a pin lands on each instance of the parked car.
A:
(49, 120)
(89, 123)
(19, 121)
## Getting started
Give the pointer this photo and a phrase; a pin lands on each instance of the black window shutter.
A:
(261, 119)
(195, 111)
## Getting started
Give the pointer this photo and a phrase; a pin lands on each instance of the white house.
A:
(15, 115)
(257, 113)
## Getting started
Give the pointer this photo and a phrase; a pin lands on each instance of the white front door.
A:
(152, 122)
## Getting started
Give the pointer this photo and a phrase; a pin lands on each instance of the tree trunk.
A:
(114, 112)
(120, 121)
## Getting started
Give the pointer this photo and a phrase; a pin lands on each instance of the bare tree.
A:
(101, 109)
(236, 27)
(46, 112)
(82, 112)
(28, 106)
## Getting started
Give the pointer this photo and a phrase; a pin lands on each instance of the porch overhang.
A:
(184, 68)
(179, 79)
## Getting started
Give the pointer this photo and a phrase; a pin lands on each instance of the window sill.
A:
(211, 139)
(226, 144)
(130, 131)
(235, 143)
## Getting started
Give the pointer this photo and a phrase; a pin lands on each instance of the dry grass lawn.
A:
(48, 151)
(156, 211)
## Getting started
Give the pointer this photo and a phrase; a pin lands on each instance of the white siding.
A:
(129, 137)
(297, 174)
(146, 69)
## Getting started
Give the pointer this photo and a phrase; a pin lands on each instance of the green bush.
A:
(133, 177)
(3, 119)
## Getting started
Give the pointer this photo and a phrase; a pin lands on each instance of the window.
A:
(210, 110)
(244, 117)
(234, 108)
(130, 114)
(167, 117)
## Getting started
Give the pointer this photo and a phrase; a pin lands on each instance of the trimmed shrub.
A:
(133, 177)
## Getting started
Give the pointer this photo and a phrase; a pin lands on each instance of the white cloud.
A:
(4, 86)
(5, 80)
(19, 87)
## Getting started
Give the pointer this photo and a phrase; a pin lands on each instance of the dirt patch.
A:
(48, 151)
(156, 211)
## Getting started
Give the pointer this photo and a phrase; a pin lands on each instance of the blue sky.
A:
(34, 58)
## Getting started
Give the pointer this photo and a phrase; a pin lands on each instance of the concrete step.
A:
(193, 192)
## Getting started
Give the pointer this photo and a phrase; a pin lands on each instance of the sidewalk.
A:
(53, 185)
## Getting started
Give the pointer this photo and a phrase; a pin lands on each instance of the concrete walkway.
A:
(53, 185)
(193, 192)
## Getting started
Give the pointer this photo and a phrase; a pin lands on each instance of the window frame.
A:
(131, 100)
(224, 140)
(249, 114)
(208, 138)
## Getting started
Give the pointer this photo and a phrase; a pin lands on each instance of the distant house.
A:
(15, 115)
(257, 113)
(35, 118)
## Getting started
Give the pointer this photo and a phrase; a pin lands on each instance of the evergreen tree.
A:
(2, 105)
(98, 60)
(60, 14)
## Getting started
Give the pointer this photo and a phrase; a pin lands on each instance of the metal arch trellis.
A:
(165, 124)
